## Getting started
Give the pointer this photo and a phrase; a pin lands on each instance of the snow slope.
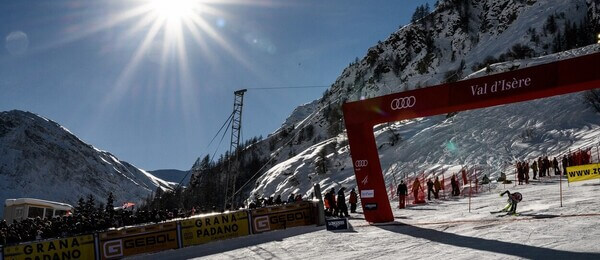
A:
(41, 159)
(440, 229)
(172, 175)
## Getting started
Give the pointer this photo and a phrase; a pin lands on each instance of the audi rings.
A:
(405, 102)
(361, 163)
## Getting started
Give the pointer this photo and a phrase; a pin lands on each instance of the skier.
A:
(402, 192)
(353, 199)
(513, 199)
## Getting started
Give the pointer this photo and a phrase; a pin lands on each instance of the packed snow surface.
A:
(441, 228)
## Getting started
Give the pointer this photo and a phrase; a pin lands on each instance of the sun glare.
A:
(175, 9)
(167, 28)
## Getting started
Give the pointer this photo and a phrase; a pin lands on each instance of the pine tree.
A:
(110, 208)
(550, 25)
(90, 205)
(80, 208)
(321, 161)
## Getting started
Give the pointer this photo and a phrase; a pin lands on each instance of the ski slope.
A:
(441, 229)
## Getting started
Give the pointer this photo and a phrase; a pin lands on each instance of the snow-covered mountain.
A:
(41, 159)
(458, 39)
(172, 175)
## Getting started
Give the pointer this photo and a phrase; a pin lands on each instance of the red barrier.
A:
(360, 117)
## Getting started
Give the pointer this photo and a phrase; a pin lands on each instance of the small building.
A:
(22, 208)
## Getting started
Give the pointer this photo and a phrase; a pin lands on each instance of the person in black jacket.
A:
(402, 192)
(341, 203)
(555, 166)
(430, 189)
(353, 200)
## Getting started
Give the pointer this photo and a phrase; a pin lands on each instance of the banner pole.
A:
(97, 247)
(560, 185)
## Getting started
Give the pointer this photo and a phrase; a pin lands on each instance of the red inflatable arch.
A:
(561, 77)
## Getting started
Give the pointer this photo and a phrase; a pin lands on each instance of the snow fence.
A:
(197, 230)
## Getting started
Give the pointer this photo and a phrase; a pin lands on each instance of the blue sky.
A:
(142, 84)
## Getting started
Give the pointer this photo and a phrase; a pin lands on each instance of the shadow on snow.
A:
(495, 246)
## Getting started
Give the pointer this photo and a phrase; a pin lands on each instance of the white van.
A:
(19, 209)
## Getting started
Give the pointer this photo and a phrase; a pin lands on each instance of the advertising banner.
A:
(78, 247)
(209, 228)
(138, 240)
(336, 223)
(583, 172)
(282, 217)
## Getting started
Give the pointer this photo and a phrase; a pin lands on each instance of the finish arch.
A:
(556, 78)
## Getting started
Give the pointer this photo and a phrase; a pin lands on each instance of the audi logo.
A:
(361, 163)
(405, 102)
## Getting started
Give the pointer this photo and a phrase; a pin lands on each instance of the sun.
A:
(171, 33)
(175, 10)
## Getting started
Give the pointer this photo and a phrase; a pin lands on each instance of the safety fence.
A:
(197, 230)
(468, 183)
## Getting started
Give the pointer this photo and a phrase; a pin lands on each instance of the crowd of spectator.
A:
(88, 218)
(544, 167)
(259, 202)
(336, 206)
(85, 220)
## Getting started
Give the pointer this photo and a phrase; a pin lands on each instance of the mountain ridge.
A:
(39, 158)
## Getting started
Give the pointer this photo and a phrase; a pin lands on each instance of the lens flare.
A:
(451, 146)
